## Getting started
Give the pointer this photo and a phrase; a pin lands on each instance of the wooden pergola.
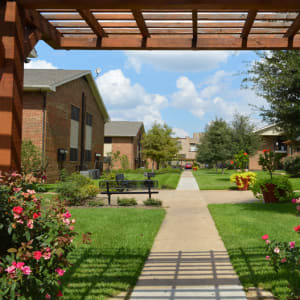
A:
(129, 24)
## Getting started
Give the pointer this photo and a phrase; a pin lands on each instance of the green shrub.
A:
(77, 188)
(283, 190)
(63, 175)
(292, 166)
(126, 202)
(152, 202)
(95, 202)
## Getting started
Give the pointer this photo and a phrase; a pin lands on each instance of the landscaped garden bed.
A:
(241, 227)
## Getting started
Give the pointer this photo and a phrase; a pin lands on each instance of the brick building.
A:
(64, 115)
(189, 147)
(124, 136)
(273, 139)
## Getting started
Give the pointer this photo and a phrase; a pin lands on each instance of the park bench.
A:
(121, 185)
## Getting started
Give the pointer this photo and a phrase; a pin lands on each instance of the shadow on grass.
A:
(254, 270)
(97, 274)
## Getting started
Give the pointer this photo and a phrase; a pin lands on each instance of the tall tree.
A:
(216, 143)
(244, 137)
(158, 144)
(276, 77)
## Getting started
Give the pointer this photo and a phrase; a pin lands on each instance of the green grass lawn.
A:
(209, 179)
(241, 227)
(120, 242)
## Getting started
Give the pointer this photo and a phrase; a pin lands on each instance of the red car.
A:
(188, 166)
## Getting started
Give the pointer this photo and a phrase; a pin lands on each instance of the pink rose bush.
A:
(285, 255)
(34, 242)
(297, 202)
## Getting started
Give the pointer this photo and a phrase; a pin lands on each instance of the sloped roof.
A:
(50, 79)
(122, 128)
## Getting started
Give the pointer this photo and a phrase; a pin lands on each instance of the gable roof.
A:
(269, 130)
(50, 79)
(122, 128)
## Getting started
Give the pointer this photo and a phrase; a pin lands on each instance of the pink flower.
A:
(59, 294)
(73, 221)
(19, 265)
(18, 210)
(297, 228)
(17, 190)
(298, 207)
(20, 221)
(14, 174)
(71, 227)
(60, 272)
(67, 215)
(47, 255)
(31, 192)
(58, 282)
(30, 224)
(265, 237)
(26, 270)
(267, 257)
(47, 296)
(37, 255)
(67, 221)
(268, 241)
(16, 216)
(11, 270)
(292, 245)
(48, 249)
(294, 201)
(276, 250)
(283, 260)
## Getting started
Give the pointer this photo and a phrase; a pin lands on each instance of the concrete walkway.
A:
(188, 259)
(187, 182)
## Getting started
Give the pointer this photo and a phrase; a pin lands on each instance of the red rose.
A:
(35, 215)
(265, 237)
(18, 210)
(266, 150)
(37, 255)
(245, 153)
(297, 228)
(232, 162)
(59, 294)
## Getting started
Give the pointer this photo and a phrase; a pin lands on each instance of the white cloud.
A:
(215, 97)
(130, 101)
(39, 64)
(179, 133)
(180, 61)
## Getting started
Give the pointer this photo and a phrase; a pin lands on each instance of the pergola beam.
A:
(137, 14)
(2, 54)
(167, 4)
(48, 32)
(295, 27)
(248, 25)
(179, 42)
(32, 36)
(195, 28)
(92, 22)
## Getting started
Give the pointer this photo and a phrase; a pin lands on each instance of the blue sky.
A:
(185, 89)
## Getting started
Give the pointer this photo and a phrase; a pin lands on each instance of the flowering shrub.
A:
(243, 180)
(285, 255)
(34, 243)
(241, 160)
(297, 201)
(269, 161)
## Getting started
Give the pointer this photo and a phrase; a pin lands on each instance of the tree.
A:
(244, 138)
(158, 144)
(276, 77)
(216, 144)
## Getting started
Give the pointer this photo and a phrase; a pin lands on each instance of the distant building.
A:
(64, 115)
(189, 147)
(275, 140)
(124, 136)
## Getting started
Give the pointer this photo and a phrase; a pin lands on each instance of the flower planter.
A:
(242, 183)
(195, 169)
(268, 191)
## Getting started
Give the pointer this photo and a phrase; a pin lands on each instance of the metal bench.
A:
(123, 186)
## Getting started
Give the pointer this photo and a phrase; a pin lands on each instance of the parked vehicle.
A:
(188, 166)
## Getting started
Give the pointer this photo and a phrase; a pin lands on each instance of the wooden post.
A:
(11, 85)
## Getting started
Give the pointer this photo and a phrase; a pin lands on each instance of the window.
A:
(89, 119)
(74, 133)
(88, 155)
(75, 113)
(73, 154)
(107, 140)
(193, 147)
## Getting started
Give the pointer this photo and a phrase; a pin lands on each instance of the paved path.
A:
(187, 182)
(188, 259)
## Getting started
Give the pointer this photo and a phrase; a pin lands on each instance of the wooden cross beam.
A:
(195, 27)
(2, 54)
(295, 27)
(137, 14)
(247, 27)
(92, 22)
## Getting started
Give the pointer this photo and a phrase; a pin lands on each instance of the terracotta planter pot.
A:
(195, 169)
(242, 183)
(269, 193)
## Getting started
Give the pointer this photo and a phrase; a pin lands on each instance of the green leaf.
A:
(12, 250)
(27, 235)
(9, 230)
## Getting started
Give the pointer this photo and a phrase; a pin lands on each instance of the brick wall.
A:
(126, 146)
(58, 121)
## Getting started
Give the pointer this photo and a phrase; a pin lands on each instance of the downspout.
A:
(44, 127)
(83, 112)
